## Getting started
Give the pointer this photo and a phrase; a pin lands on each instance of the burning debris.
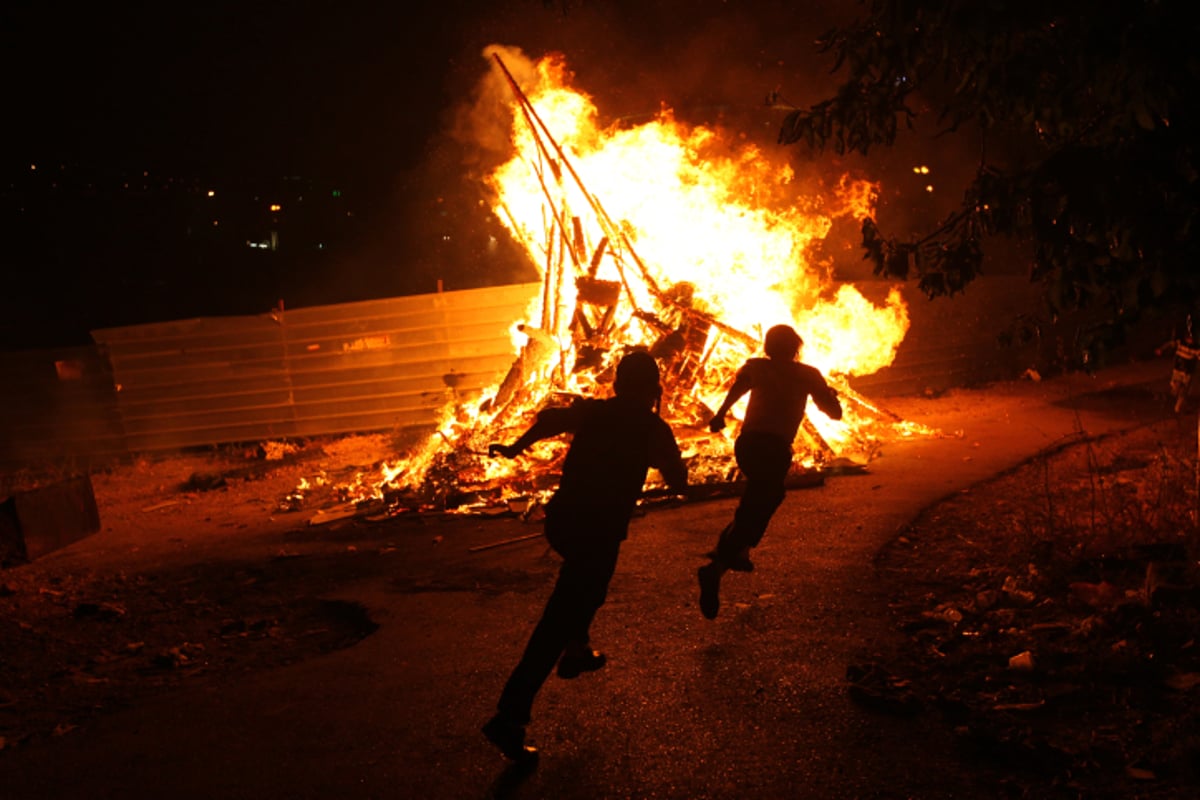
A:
(691, 264)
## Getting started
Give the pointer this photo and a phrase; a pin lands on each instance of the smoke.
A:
(483, 127)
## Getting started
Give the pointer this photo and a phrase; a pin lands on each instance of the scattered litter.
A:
(327, 515)
(1015, 594)
(1140, 773)
(1097, 595)
(276, 451)
(162, 505)
(1021, 662)
(503, 542)
(1034, 706)
(203, 482)
(179, 656)
(100, 611)
(1183, 681)
(944, 613)
(873, 687)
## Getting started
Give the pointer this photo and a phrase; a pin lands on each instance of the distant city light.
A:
(921, 170)
(929, 187)
(133, 192)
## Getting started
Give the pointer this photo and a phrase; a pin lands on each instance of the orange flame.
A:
(643, 231)
(700, 212)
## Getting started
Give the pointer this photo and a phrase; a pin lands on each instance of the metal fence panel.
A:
(391, 364)
(375, 365)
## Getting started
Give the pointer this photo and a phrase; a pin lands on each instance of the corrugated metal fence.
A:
(382, 365)
(377, 365)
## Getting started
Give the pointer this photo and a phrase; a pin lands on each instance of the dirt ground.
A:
(169, 527)
(1079, 571)
(1091, 547)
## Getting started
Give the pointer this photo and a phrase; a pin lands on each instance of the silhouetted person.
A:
(779, 388)
(615, 443)
(1186, 357)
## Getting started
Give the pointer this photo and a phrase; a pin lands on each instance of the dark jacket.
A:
(616, 441)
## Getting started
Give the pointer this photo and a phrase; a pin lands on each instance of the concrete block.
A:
(39, 521)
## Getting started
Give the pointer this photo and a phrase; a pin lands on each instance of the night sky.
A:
(358, 89)
(363, 96)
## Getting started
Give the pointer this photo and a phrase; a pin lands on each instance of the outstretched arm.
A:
(741, 385)
(826, 398)
(550, 422)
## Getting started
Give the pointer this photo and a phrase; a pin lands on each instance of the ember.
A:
(660, 237)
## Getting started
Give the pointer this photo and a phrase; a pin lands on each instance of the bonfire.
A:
(655, 237)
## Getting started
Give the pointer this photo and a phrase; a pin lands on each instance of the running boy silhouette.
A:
(1187, 355)
(779, 388)
(615, 443)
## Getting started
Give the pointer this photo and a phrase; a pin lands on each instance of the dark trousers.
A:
(589, 562)
(764, 460)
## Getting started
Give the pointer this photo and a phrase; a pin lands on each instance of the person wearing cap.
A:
(779, 388)
(615, 442)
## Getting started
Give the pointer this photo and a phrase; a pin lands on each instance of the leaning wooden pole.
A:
(540, 130)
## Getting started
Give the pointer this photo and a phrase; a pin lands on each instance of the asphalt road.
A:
(751, 705)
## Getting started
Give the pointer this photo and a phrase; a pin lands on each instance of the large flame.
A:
(646, 233)
(701, 212)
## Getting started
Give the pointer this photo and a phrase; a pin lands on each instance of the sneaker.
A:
(710, 584)
(573, 665)
(509, 739)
